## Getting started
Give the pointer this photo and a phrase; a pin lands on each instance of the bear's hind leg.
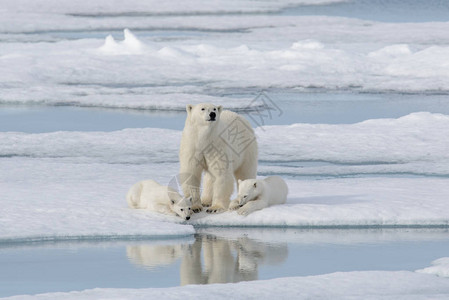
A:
(246, 171)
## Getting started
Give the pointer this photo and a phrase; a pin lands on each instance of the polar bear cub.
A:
(148, 194)
(255, 194)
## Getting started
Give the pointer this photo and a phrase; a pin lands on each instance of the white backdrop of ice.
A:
(342, 285)
(133, 73)
(372, 146)
(378, 143)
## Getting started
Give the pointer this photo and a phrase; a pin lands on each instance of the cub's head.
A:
(249, 189)
(182, 207)
(204, 113)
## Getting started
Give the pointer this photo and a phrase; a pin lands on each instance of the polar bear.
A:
(149, 194)
(221, 144)
(255, 194)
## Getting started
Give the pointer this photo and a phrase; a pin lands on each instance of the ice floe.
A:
(440, 267)
(132, 73)
(53, 184)
(341, 285)
(373, 146)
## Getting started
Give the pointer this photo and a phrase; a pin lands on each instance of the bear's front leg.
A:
(223, 188)
(208, 190)
(235, 204)
(189, 177)
(193, 191)
(165, 209)
(251, 206)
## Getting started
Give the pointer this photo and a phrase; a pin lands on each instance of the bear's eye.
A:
(215, 109)
(245, 196)
(189, 208)
(182, 209)
(203, 108)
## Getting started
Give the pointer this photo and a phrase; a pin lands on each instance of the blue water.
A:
(291, 107)
(38, 119)
(61, 266)
(379, 10)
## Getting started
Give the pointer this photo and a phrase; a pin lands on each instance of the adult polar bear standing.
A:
(221, 144)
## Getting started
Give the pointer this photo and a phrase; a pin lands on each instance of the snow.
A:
(130, 45)
(73, 184)
(140, 71)
(373, 146)
(370, 147)
(350, 203)
(125, 146)
(440, 267)
(348, 285)
(47, 200)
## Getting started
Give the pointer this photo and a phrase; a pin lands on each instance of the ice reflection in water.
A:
(211, 258)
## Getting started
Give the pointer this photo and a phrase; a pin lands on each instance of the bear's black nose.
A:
(212, 115)
(187, 218)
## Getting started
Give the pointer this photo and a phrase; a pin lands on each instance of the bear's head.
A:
(205, 114)
(182, 207)
(249, 189)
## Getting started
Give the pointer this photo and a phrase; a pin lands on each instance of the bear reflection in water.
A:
(212, 259)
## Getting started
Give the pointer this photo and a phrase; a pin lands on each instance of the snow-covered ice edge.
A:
(440, 267)
(90, 238)
(340, 285)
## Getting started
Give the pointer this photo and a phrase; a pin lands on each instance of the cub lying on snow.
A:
(255, 194)
(151, 195)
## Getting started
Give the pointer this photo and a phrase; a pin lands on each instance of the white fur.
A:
(203, 149)
(149, 194)
(255, 194)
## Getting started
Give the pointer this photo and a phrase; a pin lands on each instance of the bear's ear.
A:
(190, 199)
(220, 108)
(172, 201)
(255, 184)
(189, 108)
